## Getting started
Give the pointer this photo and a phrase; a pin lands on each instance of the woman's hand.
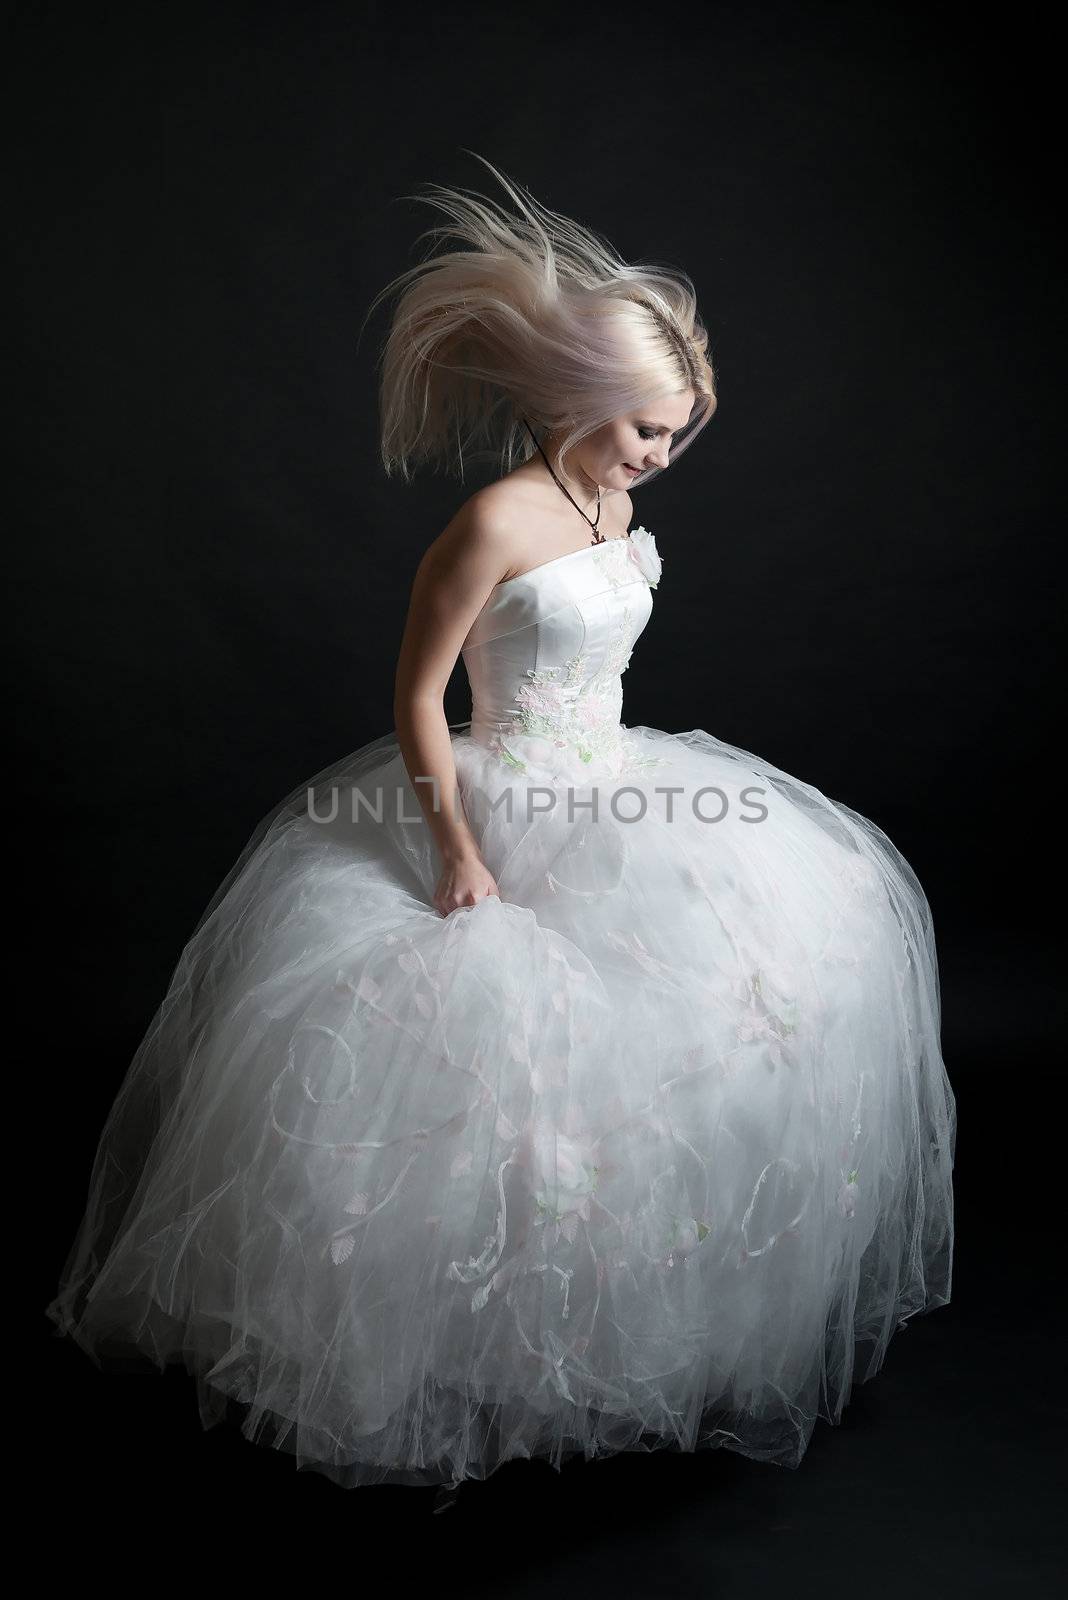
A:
(465, 881)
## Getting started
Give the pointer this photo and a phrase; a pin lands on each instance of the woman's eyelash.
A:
(646, 433)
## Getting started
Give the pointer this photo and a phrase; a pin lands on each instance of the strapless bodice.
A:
(545, 658)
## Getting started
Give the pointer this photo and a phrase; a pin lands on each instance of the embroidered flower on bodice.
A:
(614, 561)
(618, 558)
(568, 726)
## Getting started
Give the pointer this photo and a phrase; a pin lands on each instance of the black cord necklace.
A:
(598, 538)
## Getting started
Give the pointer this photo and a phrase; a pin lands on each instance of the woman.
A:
(542, 1084)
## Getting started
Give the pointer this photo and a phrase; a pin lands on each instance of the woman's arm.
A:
(451, 585)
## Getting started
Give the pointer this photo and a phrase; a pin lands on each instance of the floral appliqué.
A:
(765, 1017)
(618, 558)
(644, 554)
(568, 724)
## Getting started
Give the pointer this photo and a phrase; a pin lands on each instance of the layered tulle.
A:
(655, 1149)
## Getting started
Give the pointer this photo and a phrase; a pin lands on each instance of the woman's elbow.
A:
(413, 705)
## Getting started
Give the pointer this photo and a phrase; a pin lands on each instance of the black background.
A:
(858, 584)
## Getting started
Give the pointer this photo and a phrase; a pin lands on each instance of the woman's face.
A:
(636, 440)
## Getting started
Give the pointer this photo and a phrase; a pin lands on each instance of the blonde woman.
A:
(540, 1085)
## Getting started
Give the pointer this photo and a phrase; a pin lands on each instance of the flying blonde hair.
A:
(537, 318)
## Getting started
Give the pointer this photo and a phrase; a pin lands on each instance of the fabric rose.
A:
(644, 553)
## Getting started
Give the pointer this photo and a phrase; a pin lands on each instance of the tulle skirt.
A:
(655, 1149)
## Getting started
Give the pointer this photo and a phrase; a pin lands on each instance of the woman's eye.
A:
(646, 433)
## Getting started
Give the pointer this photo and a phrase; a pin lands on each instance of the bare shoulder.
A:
(483, 520)
(533, 522)
(508, 527)
(494, 529)
(474, 548)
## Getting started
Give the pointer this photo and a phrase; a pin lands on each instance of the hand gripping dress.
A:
(653, 1150)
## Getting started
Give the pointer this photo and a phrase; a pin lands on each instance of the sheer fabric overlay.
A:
(653, 1150)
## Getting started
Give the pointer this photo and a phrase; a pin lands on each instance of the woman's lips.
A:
(634, 470)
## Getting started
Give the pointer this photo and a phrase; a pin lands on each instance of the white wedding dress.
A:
(653, 1150)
